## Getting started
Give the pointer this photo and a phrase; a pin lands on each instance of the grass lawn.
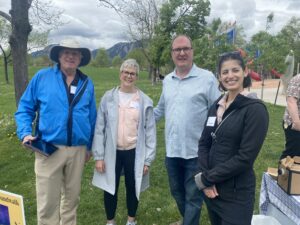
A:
(156, 204)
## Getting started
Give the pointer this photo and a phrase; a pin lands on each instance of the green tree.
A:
(207, 51)
(21, 27)
(37, 40)
(5, 30)
(154, 22)
(240, 39)
(270, 19)
(6, 56)
(273, 50)
(141, 17)
(101, 58)
(208, 47)
(177, 17)
(290, 35)
(184, 17)
(116, 61)
(139, 56)
(39, 61)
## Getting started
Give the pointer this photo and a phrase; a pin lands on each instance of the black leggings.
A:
(292, 143)
(125, 160)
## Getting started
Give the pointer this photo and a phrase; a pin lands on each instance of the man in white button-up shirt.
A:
(187, 94)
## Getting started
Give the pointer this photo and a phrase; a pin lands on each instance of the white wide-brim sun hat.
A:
(70, 44)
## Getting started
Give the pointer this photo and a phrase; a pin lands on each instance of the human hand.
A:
(28, 138)
(88, 155)
(100, 166)
(211, 192)
(146, 170)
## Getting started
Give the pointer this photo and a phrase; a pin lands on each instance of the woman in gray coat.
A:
(125, 139)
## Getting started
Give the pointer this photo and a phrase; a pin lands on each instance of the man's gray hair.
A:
(130, 63)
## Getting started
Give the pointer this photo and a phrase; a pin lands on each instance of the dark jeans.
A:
(125, 160)
(292, 143)
(215, 219)
(183, 188)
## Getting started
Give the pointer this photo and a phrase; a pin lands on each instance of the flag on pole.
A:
(257, 53)
(231, 34)
(228, 29)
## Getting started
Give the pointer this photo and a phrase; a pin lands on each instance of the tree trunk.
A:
(150, 71)
(154, 75)
(18, 42)
(6, 69)
(5, 62)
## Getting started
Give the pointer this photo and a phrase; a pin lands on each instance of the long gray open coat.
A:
(105, 141)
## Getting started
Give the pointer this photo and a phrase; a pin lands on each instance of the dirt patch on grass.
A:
(270, 83)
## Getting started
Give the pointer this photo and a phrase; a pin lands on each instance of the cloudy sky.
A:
(96, 26)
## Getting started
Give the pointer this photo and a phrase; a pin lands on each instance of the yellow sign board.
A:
(11, 209)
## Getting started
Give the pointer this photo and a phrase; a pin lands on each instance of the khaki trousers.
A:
(58, 183)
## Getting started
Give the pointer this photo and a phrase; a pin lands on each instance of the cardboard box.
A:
(273, 172)
(289, 175)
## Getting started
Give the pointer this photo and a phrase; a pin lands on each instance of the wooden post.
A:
(262, 82)
(277, 92)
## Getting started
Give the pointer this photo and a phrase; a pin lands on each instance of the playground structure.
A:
(282, 78)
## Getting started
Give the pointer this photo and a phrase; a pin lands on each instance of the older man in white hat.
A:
(63, 99)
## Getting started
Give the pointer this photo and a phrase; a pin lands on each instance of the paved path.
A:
(269, 91)
(269, 95)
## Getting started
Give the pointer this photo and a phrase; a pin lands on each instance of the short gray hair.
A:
(130, 63)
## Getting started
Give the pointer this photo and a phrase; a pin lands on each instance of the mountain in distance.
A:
(121, 49)
(42, 52)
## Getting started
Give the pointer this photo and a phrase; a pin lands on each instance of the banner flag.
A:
(231, 35)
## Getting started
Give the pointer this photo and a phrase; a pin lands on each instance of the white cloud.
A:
(252, 14)
(4, 5)
(96, 26)
(90, 24)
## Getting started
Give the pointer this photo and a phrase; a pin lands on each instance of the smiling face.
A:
(128, 77)
(69, 60)
(182, 54)
(232, 76)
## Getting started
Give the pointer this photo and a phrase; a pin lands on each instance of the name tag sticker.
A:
(211, 121)
(134, 105)
(73, 89)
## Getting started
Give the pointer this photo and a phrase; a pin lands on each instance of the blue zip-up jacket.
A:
(47, 94)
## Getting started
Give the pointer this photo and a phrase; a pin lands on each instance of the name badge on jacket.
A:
(73, 89)
(134, 105)
(211, 121)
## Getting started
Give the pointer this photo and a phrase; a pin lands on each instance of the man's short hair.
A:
(181, 35)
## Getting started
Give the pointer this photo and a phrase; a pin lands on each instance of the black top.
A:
(227, 152)
(73, 84)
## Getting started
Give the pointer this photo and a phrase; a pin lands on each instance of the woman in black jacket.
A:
(234, 132)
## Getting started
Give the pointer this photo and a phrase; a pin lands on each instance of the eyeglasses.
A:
(185, 50)
(129, 74)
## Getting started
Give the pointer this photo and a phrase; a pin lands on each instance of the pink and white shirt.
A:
(128, 120)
